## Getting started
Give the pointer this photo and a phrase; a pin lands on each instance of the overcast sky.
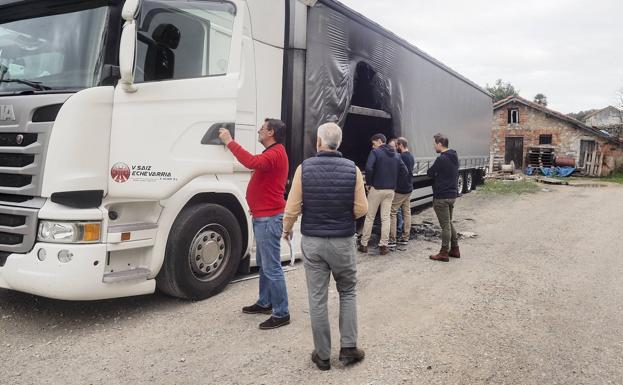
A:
(570, 50)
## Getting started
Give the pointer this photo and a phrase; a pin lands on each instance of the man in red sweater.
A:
(265, 196)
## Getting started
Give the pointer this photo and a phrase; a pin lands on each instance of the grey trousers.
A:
(323, 257)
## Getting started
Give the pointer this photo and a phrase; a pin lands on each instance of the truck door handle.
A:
(211, 136)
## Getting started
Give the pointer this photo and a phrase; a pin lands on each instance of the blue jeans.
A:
(273, 291)
(399, 224)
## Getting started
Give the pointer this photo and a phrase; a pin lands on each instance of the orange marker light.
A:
(91, 232)
(125, 236)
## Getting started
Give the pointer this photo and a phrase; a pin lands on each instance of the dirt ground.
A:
(536, 299)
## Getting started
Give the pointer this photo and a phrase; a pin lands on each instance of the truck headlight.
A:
(69, 232)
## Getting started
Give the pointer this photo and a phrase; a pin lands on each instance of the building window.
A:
(545, 139)
(513, 116)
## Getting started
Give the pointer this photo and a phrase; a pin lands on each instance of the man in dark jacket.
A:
(329, 191)
(382, 170)
(445, 174)
(402, 197)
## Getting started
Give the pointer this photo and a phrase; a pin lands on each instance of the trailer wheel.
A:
(460, 184)
(202, 254)
(469, 182)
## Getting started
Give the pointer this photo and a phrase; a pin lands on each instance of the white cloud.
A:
(570, 50)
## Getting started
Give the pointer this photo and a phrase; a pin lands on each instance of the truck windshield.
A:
(55, 52)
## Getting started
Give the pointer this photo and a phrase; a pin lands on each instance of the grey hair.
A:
(330, 135)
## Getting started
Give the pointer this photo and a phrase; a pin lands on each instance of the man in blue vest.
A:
(329, 192)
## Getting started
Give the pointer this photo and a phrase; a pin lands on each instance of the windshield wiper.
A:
(36, 85)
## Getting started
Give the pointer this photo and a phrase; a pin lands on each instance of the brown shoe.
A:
(362, 249)
(383, 250)
(442, 256)
(454, 252)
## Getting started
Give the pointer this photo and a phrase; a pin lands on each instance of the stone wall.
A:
(566, 137)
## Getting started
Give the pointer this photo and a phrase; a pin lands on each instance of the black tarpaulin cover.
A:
(352, 61)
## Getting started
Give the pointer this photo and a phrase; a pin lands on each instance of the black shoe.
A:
(257, 309)
(362, 249)
(402, 242)
(321, 364)
(274, 322)
(350, 356)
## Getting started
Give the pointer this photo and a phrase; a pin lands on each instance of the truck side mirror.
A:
(127, 47)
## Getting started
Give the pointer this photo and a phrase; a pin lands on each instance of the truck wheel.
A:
(469, 182)
(202, 254)
(460, 184)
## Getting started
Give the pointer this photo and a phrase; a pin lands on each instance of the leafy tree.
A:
(541, 99)
(581, 115)
(501, 90)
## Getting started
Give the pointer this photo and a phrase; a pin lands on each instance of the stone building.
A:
(524, 131)
(604, 117)
(609, 119)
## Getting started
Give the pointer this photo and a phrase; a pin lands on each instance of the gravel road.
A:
(536, 299)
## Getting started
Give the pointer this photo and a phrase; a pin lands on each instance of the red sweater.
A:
(267, 187)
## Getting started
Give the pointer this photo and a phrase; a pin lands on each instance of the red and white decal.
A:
(120, 172)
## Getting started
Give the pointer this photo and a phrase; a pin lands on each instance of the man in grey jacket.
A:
(329, 191)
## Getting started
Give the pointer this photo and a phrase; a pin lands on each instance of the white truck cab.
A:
(109, 189)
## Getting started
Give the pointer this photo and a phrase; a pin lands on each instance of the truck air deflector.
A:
(79, 199)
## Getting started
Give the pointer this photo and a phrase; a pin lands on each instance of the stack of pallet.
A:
(593, 162)
(541, 157)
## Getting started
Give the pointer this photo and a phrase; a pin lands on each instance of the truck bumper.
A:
(76, 280)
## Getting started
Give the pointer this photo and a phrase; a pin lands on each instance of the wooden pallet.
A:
(541, 157)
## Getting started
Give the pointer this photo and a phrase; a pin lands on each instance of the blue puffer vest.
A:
(328, 196)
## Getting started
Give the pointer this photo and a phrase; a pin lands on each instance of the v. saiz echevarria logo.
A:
(120, 172)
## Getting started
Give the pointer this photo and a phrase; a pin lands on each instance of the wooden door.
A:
(514, 151)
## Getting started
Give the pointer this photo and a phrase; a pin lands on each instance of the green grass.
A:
(617, 177)
(509, 187)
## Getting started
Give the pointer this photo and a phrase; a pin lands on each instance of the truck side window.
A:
(183, 39)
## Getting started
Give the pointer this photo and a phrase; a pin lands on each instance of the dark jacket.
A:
(445, 172)
(383, 167)
(328, 196)
(405, 179)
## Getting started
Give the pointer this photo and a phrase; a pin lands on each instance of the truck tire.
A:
(469, 181)
(460, 183)
(202, 254)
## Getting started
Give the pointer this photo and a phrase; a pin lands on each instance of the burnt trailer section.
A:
(351, 70)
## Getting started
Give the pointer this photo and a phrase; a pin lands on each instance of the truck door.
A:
(187, 80)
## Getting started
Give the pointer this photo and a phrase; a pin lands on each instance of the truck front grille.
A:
(17, 139)
(16, 160)
(12, 220)
(21, 159)
(18, 227)
(10, 239)
(9, 180)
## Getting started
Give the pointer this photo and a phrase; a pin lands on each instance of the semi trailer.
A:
(112, 179)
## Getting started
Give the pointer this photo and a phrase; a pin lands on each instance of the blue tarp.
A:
(551, 171)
